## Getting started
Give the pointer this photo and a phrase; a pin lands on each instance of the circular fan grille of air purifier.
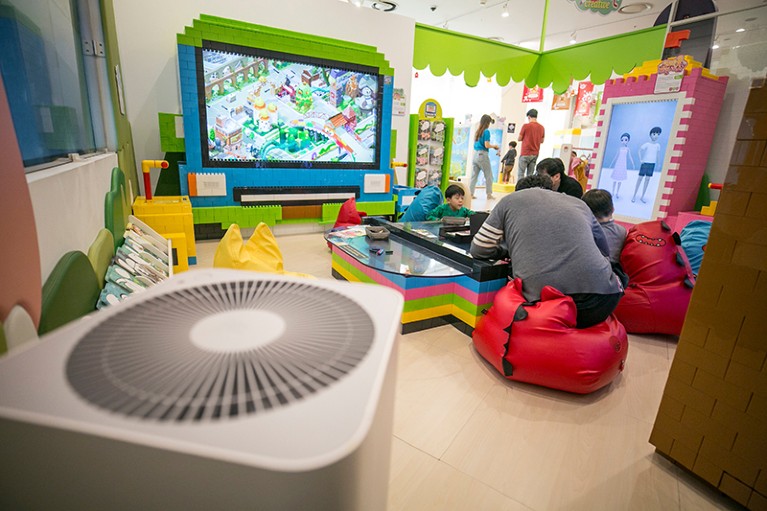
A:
(176, 357)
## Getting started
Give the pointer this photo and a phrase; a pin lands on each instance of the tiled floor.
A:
(466, 439)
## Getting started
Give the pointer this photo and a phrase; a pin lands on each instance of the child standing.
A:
(508, 161)
(600, 202)
(453, 205)
(620, 165)
(648, 157)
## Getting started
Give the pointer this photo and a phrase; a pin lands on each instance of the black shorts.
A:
(646, 169)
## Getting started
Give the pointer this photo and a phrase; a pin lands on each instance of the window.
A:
(42, 61)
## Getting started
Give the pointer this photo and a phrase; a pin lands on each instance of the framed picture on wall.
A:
(637, 141)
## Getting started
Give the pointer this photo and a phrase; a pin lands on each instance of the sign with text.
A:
(532, 95)
(600, 6)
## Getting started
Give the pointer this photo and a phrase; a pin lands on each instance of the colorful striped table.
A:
(440, 282)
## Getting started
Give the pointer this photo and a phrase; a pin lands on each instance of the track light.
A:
(573, 39)
(505, 12)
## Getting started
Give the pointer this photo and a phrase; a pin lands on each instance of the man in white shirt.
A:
(648, 157)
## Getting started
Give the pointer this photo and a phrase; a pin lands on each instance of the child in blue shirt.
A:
(453, 205)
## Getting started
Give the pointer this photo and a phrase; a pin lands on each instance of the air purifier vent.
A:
(222, 350)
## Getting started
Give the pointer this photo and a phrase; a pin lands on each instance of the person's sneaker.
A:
(490, 197)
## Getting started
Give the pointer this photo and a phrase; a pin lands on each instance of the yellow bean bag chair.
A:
(259, 253)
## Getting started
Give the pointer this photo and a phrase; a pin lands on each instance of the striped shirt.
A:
(553, 239)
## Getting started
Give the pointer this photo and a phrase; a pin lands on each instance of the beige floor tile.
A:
(420, 482)
(437, 392)
(553, 450)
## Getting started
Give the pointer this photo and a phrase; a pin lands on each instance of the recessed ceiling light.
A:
(715, 47)
(495, 38)
(740, 30)
(384, 6)
(635, 8)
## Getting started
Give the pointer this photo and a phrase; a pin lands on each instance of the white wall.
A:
(68, 202)
(146, 33)
(455, 97)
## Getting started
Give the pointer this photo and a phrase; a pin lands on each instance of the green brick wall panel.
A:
(330, 212)
(247, 34)
(376, 208)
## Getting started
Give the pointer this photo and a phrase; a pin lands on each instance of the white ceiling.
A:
(522, 27)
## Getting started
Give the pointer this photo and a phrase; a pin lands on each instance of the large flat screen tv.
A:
(637, 138)
(262, 108)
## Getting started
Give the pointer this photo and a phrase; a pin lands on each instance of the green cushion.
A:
(116, 207)
(71, 291)
(100, 254)
(3, 343)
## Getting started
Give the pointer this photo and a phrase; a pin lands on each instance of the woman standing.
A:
(481, 157)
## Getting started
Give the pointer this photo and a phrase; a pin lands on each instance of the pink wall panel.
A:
(20, 280)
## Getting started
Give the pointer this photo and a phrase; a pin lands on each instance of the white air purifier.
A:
(214, 390)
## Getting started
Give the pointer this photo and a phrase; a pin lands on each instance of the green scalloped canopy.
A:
(442, 50)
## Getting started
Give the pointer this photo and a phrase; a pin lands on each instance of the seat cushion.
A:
(426, 200)
(538, 343)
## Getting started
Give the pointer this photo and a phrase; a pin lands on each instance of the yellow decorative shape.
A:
(710, 209)
(168, 215)
(259, 253)
(650, 67)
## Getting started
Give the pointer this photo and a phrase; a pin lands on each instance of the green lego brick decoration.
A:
(214, 28)
(169, 141)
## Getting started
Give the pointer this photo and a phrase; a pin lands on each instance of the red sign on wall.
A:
(585, 98)
(533, 95)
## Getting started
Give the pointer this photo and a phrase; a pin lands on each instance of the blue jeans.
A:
(481, 162)
(526, 166)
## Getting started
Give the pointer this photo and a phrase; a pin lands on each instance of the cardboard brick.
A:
(753, 358)
(721, 342)
(683, 454)
(683, 372)
(753, 449)
(708, 471)
(732, 202)
(753, 126)
(661, 440)
(728, 461)
(733, 395)
(747, 178)
(751, 255)
(740, 227)
(757, 408)
(745, 424)
(696, 356)
(722, 434)
(757, 206)
(757, 100)
(748, 152)
(668, 425)
(719, 248)
(761, 483)
(746, 377)
(738, 491)
(694, 329)
(757, 502)
(753, 333)
(672, 407)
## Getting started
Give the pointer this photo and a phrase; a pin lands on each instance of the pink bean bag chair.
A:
(538, 343)
(660, 280)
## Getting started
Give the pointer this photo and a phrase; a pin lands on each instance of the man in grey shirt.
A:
(553, 240)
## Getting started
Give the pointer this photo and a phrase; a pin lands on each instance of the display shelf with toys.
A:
(430, 143)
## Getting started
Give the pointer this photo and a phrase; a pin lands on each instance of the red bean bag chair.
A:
(660, 280)
(348, 214)
(538, 343)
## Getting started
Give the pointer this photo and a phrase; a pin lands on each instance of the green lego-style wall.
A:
(242, 33)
